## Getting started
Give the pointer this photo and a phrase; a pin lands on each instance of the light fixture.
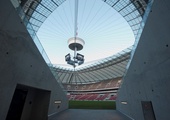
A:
(75, 44)
(124, 102)
(57, 102)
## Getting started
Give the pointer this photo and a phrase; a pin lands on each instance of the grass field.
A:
(92, 105)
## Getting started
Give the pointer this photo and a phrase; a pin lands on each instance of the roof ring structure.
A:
(76, 42)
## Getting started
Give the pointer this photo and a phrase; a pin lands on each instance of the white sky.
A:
(103, 29)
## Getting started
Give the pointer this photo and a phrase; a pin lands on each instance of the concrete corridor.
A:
(85, 114)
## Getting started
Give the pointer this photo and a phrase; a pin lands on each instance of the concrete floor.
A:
(85, 114)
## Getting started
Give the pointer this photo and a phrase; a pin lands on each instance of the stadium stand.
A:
(100, 85)
(93, 97)
(101, 91)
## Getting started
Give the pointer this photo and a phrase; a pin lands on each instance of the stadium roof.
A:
(96, 71)
(37, 11)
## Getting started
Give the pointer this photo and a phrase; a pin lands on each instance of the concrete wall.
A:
(21, 63)
(148, 76)
(36, 104)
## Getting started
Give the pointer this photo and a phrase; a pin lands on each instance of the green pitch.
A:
(92, 105)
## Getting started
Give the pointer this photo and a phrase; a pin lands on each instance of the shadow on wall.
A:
(29, 103)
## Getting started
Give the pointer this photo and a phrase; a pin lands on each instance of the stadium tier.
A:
(101, 91)
(107, 84)
(93, 97)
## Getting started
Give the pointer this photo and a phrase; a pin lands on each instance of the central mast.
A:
(75, 43)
